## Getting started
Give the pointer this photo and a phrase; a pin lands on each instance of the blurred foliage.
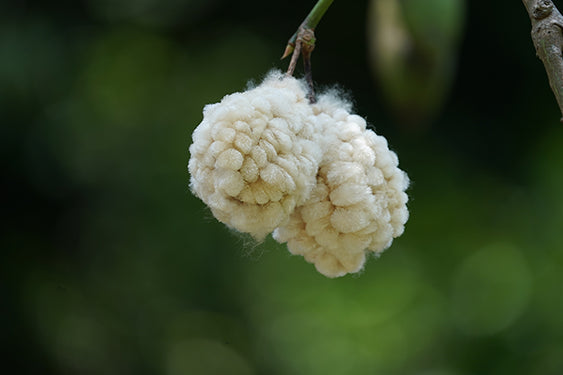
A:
(110, 266)
(414, 48)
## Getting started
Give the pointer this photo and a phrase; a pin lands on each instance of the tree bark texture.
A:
(547, 35)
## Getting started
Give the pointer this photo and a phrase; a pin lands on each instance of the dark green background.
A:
(109, 265)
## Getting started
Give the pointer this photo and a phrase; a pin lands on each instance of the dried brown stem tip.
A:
(547, 35)
(304, 45)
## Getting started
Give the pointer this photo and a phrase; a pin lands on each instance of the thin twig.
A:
(547, 35)
(310, 22)
(307, 46)
(303, 43)
(293, 62)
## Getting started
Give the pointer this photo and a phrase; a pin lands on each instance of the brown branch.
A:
(547, 35)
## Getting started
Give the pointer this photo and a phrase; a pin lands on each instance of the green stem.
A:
(310, 22)
(315, 15)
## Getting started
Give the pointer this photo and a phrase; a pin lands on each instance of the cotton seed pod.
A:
(255, 155)
(359, 202)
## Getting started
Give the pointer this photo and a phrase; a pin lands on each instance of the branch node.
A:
(304, 46)
(303, 43)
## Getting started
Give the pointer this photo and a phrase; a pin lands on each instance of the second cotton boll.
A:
(255, 155)
(359, 201)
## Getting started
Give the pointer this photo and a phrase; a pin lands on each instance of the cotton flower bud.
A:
(255, 155)
(359, 202)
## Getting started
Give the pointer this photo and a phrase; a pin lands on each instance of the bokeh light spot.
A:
(491, 289)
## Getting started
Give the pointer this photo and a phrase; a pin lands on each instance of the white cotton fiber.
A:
(359, 202)
(255, 155)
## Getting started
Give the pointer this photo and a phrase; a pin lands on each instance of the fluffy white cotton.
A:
(359, 202)
(255, 155)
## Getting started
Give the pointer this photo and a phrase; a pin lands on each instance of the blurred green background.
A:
(109, 265)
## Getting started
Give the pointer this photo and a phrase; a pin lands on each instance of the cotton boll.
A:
(229, 159)
(331, 266)
(358, 205)
(255, 155)
(350, 219)
(349, 194)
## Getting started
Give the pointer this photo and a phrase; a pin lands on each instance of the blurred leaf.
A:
(435, 25)
(413, 46)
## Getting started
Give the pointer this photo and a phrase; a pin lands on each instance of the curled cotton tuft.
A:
(255, 155)
(359, 202)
